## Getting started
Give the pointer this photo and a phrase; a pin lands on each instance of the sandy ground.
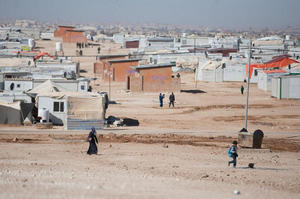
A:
(131, 170)
(176, 152)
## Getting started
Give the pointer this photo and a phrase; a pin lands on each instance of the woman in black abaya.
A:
(93, 142)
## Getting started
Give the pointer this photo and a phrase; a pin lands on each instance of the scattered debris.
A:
(44, 125)
(130, 122)
(205, 176)
(275, 156)
(251, 165)
(112, 120)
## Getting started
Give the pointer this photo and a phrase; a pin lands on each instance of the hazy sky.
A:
(211, 13)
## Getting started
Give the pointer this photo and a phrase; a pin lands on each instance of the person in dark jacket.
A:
(92, 138)
(232, 152)
(242, 89)
(161, 99)
(172, 99)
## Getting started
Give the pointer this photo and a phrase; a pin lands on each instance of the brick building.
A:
(101, 65)
(153, 78)
(73, 36)
(132, 44)
(60, 31)
(121, 68)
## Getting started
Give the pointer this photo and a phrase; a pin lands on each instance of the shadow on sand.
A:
(193, 91)
(262, 168)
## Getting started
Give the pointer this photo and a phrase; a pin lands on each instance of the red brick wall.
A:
(61, 31)
(156, 80)
(135, 83)
(122, 69)
(99, 66)
(73, 37)
(132, 44)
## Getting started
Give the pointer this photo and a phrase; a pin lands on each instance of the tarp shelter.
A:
(41, 55)
(280, 61)
(14, 113)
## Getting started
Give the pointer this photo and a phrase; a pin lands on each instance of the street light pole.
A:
(248, 85)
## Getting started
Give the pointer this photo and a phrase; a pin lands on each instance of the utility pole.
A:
(194, 45)
(109, 86)
(248, 85)
(196, 75)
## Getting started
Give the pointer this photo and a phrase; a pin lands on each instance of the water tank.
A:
(31, 43)
(58, 47)
(44, 114)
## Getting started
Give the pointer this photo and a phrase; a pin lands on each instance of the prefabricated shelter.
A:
(47, 35)
(71, 70)
(102, 64)
(265, 78)
(74, 110)
(10, 97)
(78, 85)
(224, 51)
(14, 113)
(153, 78)
(159, 43)
(73, 36)
(286, 86)
(277, 62)
(60, 31)
(120, 69)
(18, 84)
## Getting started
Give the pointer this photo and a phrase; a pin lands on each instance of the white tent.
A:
(210, 71)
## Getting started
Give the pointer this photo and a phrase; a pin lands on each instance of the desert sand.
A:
(178, 152)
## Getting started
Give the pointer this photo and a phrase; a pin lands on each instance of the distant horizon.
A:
(213, 14)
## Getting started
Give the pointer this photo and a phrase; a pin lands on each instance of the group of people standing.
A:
(171, 99)
(81, 45)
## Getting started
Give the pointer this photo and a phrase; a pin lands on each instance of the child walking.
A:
(232, 152)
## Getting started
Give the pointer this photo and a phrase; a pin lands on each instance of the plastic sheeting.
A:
(14, 113)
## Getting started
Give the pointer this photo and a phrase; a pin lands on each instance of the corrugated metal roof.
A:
(160, 39)
(122, 60)
(154, 65)
(111, 56)
(66, 26)
(75, 30)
